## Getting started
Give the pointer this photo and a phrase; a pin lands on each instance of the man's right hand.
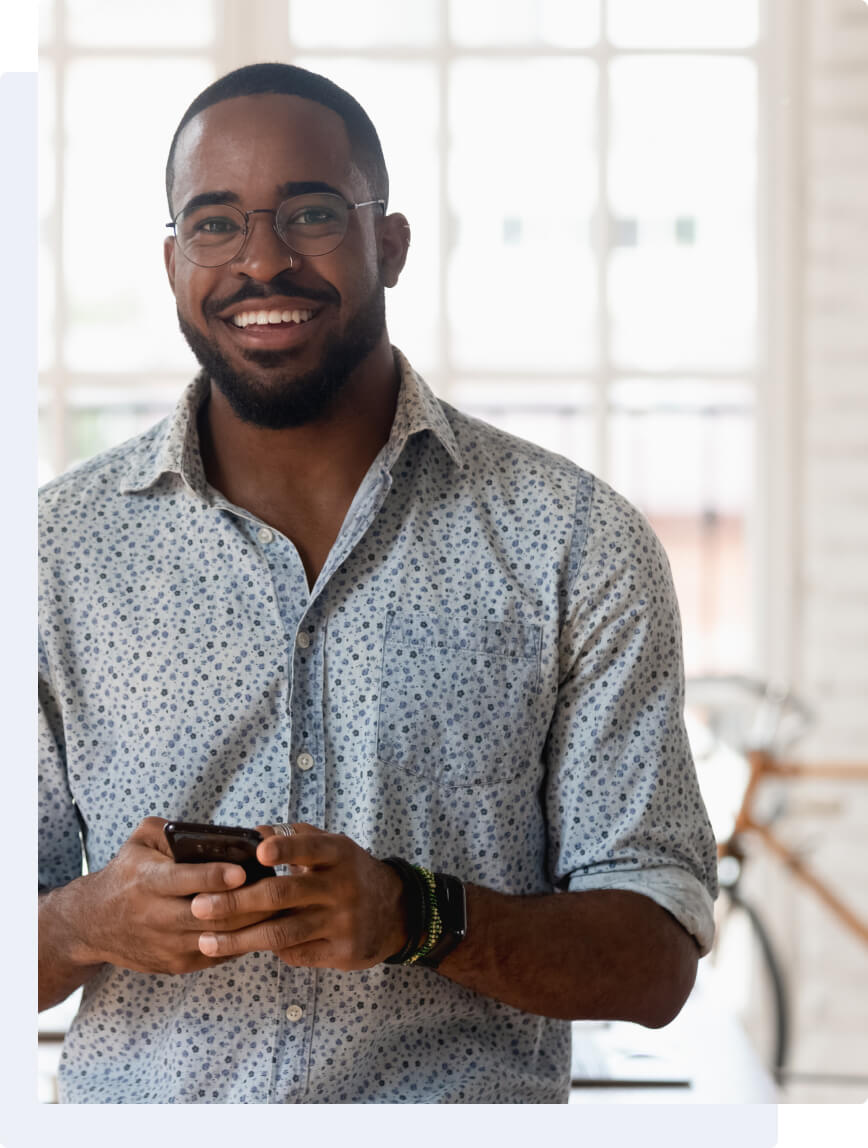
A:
(134, 913)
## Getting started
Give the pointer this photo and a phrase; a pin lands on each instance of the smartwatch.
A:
(452, 906)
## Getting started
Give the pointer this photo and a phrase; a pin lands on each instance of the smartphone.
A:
(192, 842)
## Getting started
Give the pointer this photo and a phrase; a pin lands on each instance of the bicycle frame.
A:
(763, 765)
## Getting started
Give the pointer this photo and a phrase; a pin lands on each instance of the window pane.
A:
(682, 23)
(682, 192)
(46, 21)
(684, 456)
(97, 421)
(121, 311)
(349, 24)
(45, 467)
(564, 23)
(47, 215)
(555, 415)
(159, 22)
(407, 127)
(522, 183)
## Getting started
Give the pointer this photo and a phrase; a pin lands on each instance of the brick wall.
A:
(827, 413)
(832, 588)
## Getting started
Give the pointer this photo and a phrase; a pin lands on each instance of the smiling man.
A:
(436, 666)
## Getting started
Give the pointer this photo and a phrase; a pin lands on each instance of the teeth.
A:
(245, 318)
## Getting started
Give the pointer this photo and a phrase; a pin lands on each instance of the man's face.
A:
(254, 148)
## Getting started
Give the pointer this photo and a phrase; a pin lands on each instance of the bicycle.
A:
(750, 726)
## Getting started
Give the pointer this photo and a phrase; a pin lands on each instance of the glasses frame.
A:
(273, 211)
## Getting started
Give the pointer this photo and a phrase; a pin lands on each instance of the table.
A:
(702, 1057)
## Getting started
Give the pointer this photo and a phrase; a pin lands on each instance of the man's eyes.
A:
(216, 225)
(312, 215)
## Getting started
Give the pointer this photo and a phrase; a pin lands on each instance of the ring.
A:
(283, 830)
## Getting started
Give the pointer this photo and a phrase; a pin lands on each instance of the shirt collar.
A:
(175, 448)
(417, 409)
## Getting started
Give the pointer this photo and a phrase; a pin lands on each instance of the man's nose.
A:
(264, 253)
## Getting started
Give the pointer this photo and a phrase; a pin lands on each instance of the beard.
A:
(290, 399)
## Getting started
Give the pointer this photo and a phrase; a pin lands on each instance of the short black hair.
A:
(289, 80)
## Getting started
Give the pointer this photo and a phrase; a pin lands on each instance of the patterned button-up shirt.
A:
(485, 679)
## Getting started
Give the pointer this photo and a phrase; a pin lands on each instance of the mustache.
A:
(279, 286)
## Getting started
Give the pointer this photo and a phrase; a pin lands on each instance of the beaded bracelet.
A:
(435, 924)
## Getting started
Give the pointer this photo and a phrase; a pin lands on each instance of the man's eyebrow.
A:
(208, 197)
(305, 186)
(294, 187)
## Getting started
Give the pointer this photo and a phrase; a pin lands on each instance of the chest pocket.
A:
(457, 700)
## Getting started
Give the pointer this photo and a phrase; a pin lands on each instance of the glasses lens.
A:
(210, 235)
(312, 224)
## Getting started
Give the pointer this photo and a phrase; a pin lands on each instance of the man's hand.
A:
(135, 913)
(339, 908)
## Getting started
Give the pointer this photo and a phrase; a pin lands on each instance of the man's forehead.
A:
(289, 137)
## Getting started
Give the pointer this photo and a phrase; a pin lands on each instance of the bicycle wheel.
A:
(749, 977)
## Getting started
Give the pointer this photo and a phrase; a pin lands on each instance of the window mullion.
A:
(59, 414)
(603, 233)
(447, 229)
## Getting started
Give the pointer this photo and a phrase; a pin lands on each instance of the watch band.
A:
(452, 903)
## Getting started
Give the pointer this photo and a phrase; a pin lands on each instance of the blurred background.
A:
(639, 238)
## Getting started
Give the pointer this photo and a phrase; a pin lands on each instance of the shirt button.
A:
(294, 1012)
(304, 761)
(303, 640)
(264, 534)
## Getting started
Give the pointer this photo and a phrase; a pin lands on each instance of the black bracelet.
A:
(452, 908)
(416, 905)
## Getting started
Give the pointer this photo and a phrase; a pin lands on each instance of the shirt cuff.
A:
(674, 889)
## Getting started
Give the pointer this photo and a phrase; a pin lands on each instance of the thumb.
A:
(150, 832)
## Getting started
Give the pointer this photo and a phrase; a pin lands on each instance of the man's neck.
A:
(317, 466)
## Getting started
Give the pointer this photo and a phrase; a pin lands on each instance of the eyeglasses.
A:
(212, 234)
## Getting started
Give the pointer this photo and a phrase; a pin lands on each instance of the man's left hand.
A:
(339, 908)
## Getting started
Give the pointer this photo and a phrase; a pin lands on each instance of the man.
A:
(320, 601)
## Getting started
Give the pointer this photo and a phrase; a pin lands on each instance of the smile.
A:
(268, 318)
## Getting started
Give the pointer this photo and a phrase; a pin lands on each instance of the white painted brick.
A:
(841, 278)
(841, 142)
(845, 191)
(836, 433)
(837, 472)
(827, 744)
(825, 523)
(838, 90)
(842, 235)
(829, 653)
(837, 579)
(838, 31)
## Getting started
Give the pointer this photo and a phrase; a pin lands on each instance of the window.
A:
(581, 180)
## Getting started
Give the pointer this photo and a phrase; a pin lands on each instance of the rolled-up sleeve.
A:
(60, 853)
(623, 803)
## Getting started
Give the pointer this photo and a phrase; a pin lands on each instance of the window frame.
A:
(260, 29)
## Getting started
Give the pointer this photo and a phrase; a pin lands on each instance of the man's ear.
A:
(169, 259)
(394, 240)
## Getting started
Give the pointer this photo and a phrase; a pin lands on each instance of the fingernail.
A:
(270, 854)
(208, 944)
(233, 875)
(201, 905)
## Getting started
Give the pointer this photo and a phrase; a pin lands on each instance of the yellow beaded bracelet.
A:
(435, 925)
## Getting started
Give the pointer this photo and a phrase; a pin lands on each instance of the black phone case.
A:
(192, 843)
